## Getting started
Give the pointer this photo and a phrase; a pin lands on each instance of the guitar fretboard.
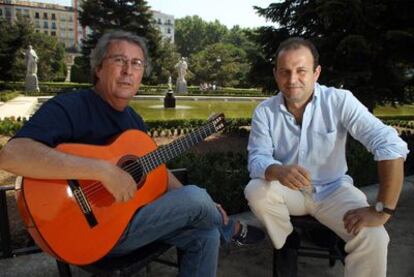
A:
(167, 152)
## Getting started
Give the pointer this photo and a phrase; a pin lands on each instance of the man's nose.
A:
(127, 67)
(293, 77)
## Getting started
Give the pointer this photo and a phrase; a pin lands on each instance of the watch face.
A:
(379, 207)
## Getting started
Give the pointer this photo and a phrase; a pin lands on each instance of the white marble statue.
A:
(31, 59)
(170, 87)
(182, 67)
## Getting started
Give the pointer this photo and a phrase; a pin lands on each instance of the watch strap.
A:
(388, 211)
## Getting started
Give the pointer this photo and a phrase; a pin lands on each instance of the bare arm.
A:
(26, 157)
(391, 175)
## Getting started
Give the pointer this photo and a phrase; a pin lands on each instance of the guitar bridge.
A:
(83, 203)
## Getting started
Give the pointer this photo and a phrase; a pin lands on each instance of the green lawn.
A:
(400, 110)
(154, 110)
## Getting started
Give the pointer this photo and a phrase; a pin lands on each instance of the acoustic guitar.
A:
(78, 221)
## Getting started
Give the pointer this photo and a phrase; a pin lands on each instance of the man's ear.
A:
(317, 73)
(274, 72)
(97, 71)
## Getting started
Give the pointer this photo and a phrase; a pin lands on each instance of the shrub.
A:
(9, 126)
(224, 175)
(8, 95)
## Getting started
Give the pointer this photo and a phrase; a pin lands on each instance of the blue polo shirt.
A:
(79, 117)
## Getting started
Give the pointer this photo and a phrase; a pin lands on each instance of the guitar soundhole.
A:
(132, 165)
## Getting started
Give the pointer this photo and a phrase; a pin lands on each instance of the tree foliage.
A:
(217, 54)
(193, 34)
(365, 46)
(220, 63)
(14, 40)
(128, 15)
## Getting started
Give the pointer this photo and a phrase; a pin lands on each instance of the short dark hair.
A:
(99, 52)
(294, 43)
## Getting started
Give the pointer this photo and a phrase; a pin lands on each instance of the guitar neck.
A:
(167, 152)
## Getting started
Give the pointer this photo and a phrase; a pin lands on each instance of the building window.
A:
(37, 15)
(18, 12)
(159, 21)
(70, 19)
(1, 12)
(8, 12)
(46, 32)
(54, 25)
(53, 33)
(45, 25)
(168, 31)
(44, 15)
(26, 13)
(37, 24)
(53, 16)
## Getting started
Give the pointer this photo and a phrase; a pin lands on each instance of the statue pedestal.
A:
(31, 84)
(169, 100)
(181, 86)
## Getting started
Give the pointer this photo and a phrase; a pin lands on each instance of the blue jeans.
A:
(187, 218)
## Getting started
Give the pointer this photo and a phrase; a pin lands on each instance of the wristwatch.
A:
(380, 208)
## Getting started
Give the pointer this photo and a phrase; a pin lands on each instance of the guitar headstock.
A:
(218, 121)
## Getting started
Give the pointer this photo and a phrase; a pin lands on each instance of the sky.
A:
(228, 12)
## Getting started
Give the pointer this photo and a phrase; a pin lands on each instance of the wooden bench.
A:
(331, 248)
(126, 265)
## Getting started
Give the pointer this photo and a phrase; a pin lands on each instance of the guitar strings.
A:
(162, 153)
(195, 137)
(177, 146)
(92, 189)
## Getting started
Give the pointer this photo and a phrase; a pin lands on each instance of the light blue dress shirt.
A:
(318, 145)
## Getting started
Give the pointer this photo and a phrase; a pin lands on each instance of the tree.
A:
(193, 34)
(242, 38)
(14, 40)
(133, 16)
(365, 46)
(51, 65)
(223, 64)
(168, 57)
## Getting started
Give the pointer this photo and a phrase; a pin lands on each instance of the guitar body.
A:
(55, 219)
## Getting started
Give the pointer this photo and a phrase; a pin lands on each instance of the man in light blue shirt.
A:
(298, 165)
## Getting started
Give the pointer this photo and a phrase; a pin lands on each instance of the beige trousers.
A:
(273, 203)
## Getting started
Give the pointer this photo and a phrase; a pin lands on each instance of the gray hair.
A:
(99, 52)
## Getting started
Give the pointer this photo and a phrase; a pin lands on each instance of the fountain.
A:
(169, 99)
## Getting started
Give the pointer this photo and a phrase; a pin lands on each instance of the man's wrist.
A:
(380, 207)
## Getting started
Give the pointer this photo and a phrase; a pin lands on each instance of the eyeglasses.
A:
(136, 64)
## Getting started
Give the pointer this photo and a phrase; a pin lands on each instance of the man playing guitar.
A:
(184, 216)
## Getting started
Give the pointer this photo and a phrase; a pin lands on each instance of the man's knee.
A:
(209, 236)
(373, 239)
(195, 196)
(377, 236)
(255, 190)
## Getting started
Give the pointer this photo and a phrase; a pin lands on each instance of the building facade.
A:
(62, 21)
(51, 19)
(165, 24)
